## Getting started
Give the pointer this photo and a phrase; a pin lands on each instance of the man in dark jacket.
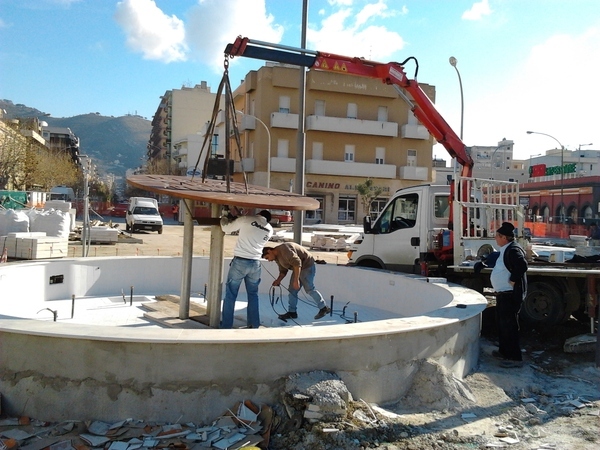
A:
(509, 280)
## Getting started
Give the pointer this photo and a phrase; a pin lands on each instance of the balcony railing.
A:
(352, 126)
(412, 131)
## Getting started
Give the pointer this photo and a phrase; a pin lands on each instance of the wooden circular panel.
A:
(215, 191)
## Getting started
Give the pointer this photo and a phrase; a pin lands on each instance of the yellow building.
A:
(356, 129)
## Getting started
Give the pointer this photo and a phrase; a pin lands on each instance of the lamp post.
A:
(579, 157)
(492, 161)
(562, 171)
(268, 145)
(453, 61)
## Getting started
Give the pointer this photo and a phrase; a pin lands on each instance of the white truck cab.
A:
(404, 229)
(143, 214)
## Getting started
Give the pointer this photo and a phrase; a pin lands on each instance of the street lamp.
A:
(562, 171)
(453, 61)
(268, 145)
(492, 161)
(579, 157)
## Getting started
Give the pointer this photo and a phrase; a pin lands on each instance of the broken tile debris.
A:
(244, 425)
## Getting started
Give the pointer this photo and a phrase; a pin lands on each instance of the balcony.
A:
(247, 122)
(248, 165)
(284, 120)
(336, 168)
(414, 131)
(353, 126)
(353, 169)
(413, 173)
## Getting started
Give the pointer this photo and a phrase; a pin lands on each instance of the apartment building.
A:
(356, 128)
(181, 116)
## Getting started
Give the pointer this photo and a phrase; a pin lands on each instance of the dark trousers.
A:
(507, 318)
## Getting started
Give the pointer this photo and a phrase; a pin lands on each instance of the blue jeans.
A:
(307, 281)
(247, 270)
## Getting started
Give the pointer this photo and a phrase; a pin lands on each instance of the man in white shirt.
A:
(509, 280)
(254, 233)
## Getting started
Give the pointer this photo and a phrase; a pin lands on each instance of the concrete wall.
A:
(55, 371)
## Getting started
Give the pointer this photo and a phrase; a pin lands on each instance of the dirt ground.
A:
(170, 243)
(553, 402)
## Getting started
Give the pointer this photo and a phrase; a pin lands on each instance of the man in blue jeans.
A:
(254, 232)
(294, 257)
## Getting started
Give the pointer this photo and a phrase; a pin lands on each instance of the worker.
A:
(294, 257)
(175, 211)
(254, 232)
(509, 281)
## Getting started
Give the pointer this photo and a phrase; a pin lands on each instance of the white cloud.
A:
(477, 11)
(215, 23)
(347, 32)
(150, 31)
(553, 92)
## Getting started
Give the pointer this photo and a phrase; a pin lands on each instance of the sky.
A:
(523, 64)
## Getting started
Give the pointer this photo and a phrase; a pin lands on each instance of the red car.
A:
(119, 210)
(279, 216)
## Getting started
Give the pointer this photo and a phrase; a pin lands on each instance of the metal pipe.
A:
(331, 307)
(72, 306)
(355, 316)
(53, 311)
(130, 295)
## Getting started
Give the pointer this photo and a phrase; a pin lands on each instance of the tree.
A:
(368, 192)
(13, 154)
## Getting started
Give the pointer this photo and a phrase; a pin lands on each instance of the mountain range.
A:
(115, 144)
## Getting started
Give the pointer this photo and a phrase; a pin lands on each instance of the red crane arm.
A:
(390, 73)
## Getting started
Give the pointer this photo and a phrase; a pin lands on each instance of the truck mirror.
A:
(367, 224)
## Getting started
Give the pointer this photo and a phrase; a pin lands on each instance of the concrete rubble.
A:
(317, 410)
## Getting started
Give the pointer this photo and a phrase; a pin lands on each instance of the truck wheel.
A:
(127, 227)
(369, 263)
(543, 304)
(160, 230)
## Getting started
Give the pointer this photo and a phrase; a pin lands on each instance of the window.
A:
(283, 148)
(382, 114)
(349, 153)
(315, 216)
(284, 104)
(319, 107)
(214, 145)
(317, 150)
(411, 160)
(379, 155)
(377, 206)
(399, 214)
(442, 206)
(352, 111)
(412, 120)
(346, 209)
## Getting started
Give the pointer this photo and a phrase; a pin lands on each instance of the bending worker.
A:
(294, 257)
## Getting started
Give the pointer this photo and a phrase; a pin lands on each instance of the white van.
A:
(142, 214)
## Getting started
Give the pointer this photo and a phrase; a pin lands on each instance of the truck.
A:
(62, 193)
(441, 231)
(142, 214)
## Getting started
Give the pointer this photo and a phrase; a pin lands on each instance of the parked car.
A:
(279, 216)
(119, 210)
